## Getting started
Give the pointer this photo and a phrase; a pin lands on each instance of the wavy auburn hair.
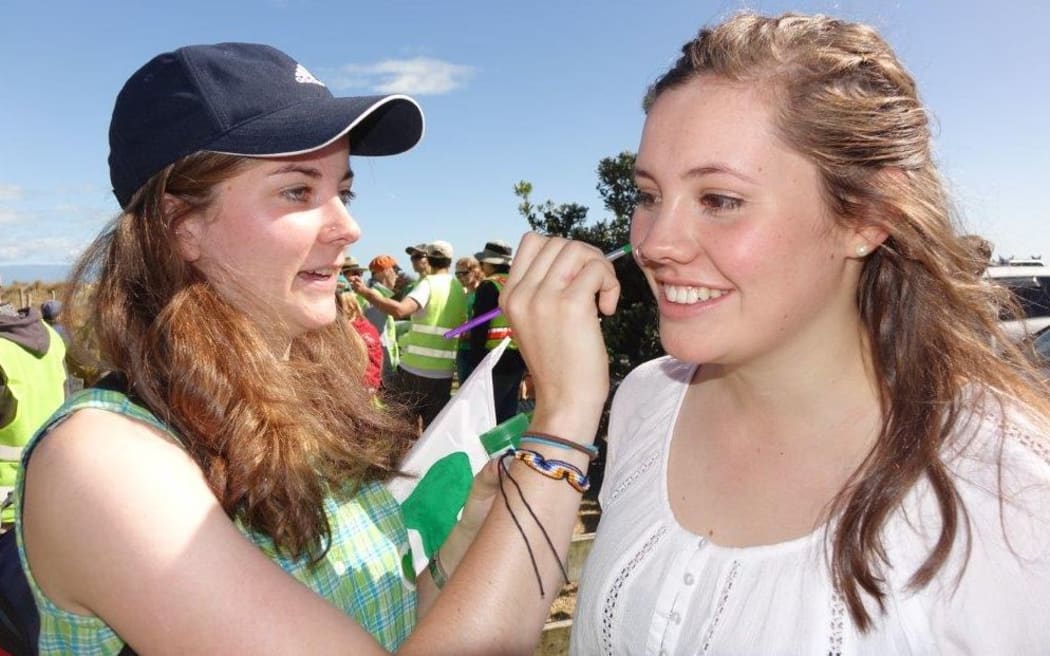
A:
(844, 101)
(273, 436)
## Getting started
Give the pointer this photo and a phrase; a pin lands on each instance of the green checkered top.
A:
(361, 573)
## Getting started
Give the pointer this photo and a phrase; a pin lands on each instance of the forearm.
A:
(449, 555)
(396, 309)
(494, 570)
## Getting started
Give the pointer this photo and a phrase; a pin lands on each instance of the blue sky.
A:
(538, 90)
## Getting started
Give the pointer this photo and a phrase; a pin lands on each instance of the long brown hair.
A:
(845, 102)
(273, 436)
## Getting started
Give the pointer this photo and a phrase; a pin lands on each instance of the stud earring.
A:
(862, 250)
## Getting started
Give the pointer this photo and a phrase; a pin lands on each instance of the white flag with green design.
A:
(442, 464)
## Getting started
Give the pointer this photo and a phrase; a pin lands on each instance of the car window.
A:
(1032, 292)
(1042, 346)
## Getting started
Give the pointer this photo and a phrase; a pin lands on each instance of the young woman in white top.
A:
(834, 458)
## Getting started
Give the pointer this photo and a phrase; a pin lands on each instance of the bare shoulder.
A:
(119, 523)
(89, 437)
(98, 484)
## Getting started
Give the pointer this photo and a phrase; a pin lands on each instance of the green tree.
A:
(631, 335)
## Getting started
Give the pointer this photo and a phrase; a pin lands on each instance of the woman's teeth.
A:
(689, 295)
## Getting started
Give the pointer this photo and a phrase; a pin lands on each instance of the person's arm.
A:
(402, 309)
(120, 523)
(550, 298)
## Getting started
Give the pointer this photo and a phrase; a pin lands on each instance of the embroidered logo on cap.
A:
(304, 76)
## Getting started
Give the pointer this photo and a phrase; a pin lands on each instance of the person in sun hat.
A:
(437, 303)
(495, 260)
(351, 267)
(222, 490)
(417, 257)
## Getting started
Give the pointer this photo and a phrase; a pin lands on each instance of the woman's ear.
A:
(869, 227)
(188, 227)
(866, 239)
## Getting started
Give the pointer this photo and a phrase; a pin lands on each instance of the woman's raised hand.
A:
(550, 301)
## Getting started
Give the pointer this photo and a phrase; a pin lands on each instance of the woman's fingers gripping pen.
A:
(612, 256)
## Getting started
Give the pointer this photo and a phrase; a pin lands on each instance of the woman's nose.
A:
(342, 226)
(665, 233)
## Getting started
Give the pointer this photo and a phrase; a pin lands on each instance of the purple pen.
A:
(612, 256)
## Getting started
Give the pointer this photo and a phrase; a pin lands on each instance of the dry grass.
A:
(30, 294)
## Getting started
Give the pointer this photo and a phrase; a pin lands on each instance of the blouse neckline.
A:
(792, 545)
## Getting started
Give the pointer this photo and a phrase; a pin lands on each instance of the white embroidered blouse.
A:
(652, 587)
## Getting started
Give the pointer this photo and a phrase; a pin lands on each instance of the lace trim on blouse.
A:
(723, 600)
(633, 476)
(612, 598)
(838, 624)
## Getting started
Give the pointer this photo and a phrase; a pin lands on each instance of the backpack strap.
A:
(19, 621)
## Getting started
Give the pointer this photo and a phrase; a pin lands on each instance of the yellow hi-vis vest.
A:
(499, 327)
(424, 348)
(38, 384)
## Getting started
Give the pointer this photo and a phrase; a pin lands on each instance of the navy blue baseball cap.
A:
(242, 99)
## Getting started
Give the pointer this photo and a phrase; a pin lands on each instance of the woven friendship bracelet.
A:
(560, 442)
(555, 469)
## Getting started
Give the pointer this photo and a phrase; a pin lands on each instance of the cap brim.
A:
(376, 125)
(485, 258)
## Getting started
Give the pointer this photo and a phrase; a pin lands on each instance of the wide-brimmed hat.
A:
(350, 265)
(242, 99)
(496, 252)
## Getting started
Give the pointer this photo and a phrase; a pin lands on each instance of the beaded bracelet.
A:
(437, 572)
(555, 469)
(559, 442)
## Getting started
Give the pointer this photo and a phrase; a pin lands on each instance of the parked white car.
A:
(1029, 280)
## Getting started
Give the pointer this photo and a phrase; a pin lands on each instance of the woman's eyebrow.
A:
(309, 171)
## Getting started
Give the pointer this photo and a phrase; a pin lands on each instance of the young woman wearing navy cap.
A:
(221, 492)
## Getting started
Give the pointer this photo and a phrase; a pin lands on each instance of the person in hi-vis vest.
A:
(436, 304)
(495, 261)
(32, 386)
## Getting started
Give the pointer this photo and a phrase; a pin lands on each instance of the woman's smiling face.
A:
(273, 241)
(732, 231)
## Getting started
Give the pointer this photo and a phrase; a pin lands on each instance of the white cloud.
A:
(42, 249)
(420, 76)
(10, 192)
(54, 231)
(10, 216)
